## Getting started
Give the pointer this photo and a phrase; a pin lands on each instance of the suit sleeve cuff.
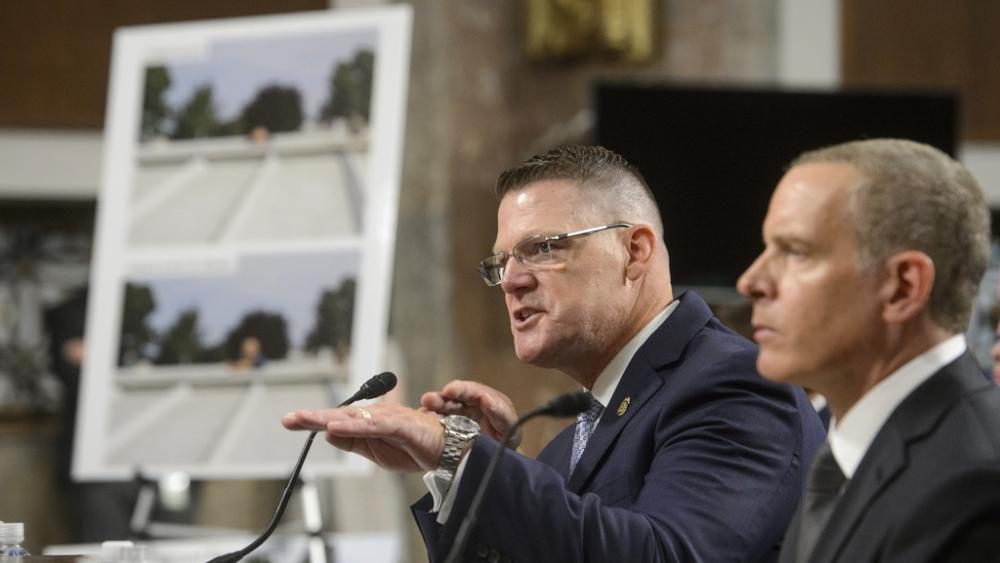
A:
(443, 491)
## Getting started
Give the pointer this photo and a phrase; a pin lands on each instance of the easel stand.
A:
(144, 528)
(312, 517)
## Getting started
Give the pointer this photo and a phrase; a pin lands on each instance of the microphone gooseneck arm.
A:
(569, 404)
(375, 387)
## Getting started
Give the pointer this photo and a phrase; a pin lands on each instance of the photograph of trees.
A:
(276, 107)
(255, 141)
(299, 304)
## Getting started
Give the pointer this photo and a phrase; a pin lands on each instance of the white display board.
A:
(244, 244)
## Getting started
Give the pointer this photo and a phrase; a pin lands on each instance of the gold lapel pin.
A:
(624, 406)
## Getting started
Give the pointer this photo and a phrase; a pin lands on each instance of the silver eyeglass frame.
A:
(498, 262)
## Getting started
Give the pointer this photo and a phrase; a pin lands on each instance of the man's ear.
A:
(907, 287)
(641, 243)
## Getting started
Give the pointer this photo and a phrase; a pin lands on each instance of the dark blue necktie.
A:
(585, 423)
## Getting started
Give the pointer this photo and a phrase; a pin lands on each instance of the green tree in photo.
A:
(154, 108)
(197, 118)
(136, 333)
(276, 108)
(270, 329)
(334, 319)
(181, 343)
(351, 88)
(232, 128)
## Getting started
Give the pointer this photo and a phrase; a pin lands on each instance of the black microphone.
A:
(377, 386)
(569, 404)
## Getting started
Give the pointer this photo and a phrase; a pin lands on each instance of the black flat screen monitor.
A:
(713, 156)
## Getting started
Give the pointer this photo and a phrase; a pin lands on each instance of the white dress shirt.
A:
(444, 492)
(607, 382)
(851, 437)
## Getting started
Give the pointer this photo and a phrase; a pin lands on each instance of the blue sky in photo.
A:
(287, 283)
(238, 69)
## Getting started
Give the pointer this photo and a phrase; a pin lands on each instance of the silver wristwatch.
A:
(458, 434)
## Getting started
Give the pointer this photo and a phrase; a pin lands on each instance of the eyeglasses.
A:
(536, 252)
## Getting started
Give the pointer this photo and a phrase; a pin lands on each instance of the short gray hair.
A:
(611, 183)
(915, 197)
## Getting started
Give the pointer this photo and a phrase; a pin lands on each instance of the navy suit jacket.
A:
(705, 464)
(928, 488)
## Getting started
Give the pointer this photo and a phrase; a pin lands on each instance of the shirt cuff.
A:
(443, 491)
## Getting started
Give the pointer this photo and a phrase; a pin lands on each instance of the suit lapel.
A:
(640, 382)
(557, 453)
(880, 466)
(916, 417)
(790, 543)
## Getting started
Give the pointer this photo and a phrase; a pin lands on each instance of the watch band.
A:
(459, 431)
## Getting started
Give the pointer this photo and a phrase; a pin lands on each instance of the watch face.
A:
(461, 424)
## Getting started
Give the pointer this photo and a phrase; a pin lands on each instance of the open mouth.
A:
(522, 315)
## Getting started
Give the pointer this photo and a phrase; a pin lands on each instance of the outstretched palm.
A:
(394, 437)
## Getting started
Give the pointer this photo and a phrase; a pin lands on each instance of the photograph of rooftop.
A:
(251, 141)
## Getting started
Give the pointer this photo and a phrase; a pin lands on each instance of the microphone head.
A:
(569, 404)
(387, 380)
(378, 385)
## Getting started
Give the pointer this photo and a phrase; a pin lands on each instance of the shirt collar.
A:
(607, 381)
(851, 437)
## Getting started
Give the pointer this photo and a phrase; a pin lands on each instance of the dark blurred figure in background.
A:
(103, 510)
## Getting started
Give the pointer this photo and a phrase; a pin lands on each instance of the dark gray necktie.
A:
(826, 481)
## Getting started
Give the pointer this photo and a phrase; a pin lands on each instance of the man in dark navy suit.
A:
(686, 454)
(874, 251)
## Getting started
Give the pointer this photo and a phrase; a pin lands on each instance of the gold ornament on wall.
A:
(617, 29)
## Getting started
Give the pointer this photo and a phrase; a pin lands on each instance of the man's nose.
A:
(754, 283)
(516, 276)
